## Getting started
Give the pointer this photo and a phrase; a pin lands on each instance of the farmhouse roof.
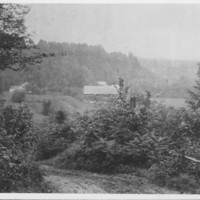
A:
(102, 83)
(106, 89)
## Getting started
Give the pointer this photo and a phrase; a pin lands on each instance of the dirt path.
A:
(69, 181)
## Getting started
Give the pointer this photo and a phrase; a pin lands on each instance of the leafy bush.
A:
(18, 96)
(156, 175)
(16, 148)
(117, 137)
(18, 124)
(178, 136)
(183, 183)
(54, 139)
(112, 135)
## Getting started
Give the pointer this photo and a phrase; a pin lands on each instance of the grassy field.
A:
(174, 102)
(58, 102)
(65, 103)
(70, 104)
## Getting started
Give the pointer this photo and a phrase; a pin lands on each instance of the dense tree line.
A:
(67, 67)
(71, 66)
(177, 75)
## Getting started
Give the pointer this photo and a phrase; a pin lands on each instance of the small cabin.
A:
(100, 92)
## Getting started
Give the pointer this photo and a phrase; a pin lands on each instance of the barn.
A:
(100, 92)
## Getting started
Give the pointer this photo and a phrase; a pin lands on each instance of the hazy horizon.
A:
(161, 31)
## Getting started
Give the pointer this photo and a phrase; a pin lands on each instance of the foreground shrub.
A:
(53, 139)
(18, 96)
(111, 135)
(117, 137)
(183, 183)
(17, 123)
(178, 133)
(16, 147)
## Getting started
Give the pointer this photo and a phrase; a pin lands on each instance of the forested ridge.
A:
(76, 65)
(177, 75)
(71, 66)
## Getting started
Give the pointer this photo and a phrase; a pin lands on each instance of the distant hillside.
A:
(178, 75)
(93, 63)
(76, 65)
(72, 66)
(171, 70)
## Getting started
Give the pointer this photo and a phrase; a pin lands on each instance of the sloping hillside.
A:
(177, 76)
(171, 70)
(75, 65)
(72, 66)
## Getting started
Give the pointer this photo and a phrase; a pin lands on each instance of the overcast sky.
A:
(151, 31)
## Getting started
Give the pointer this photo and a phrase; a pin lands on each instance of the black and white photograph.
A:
(100, 98)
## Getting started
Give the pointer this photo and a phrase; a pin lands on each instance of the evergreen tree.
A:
(16, 47)
(60, 116)
(46, 105)
(1, 85)
(194, 99)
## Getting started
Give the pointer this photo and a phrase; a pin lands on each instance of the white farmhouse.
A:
(102, 91)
